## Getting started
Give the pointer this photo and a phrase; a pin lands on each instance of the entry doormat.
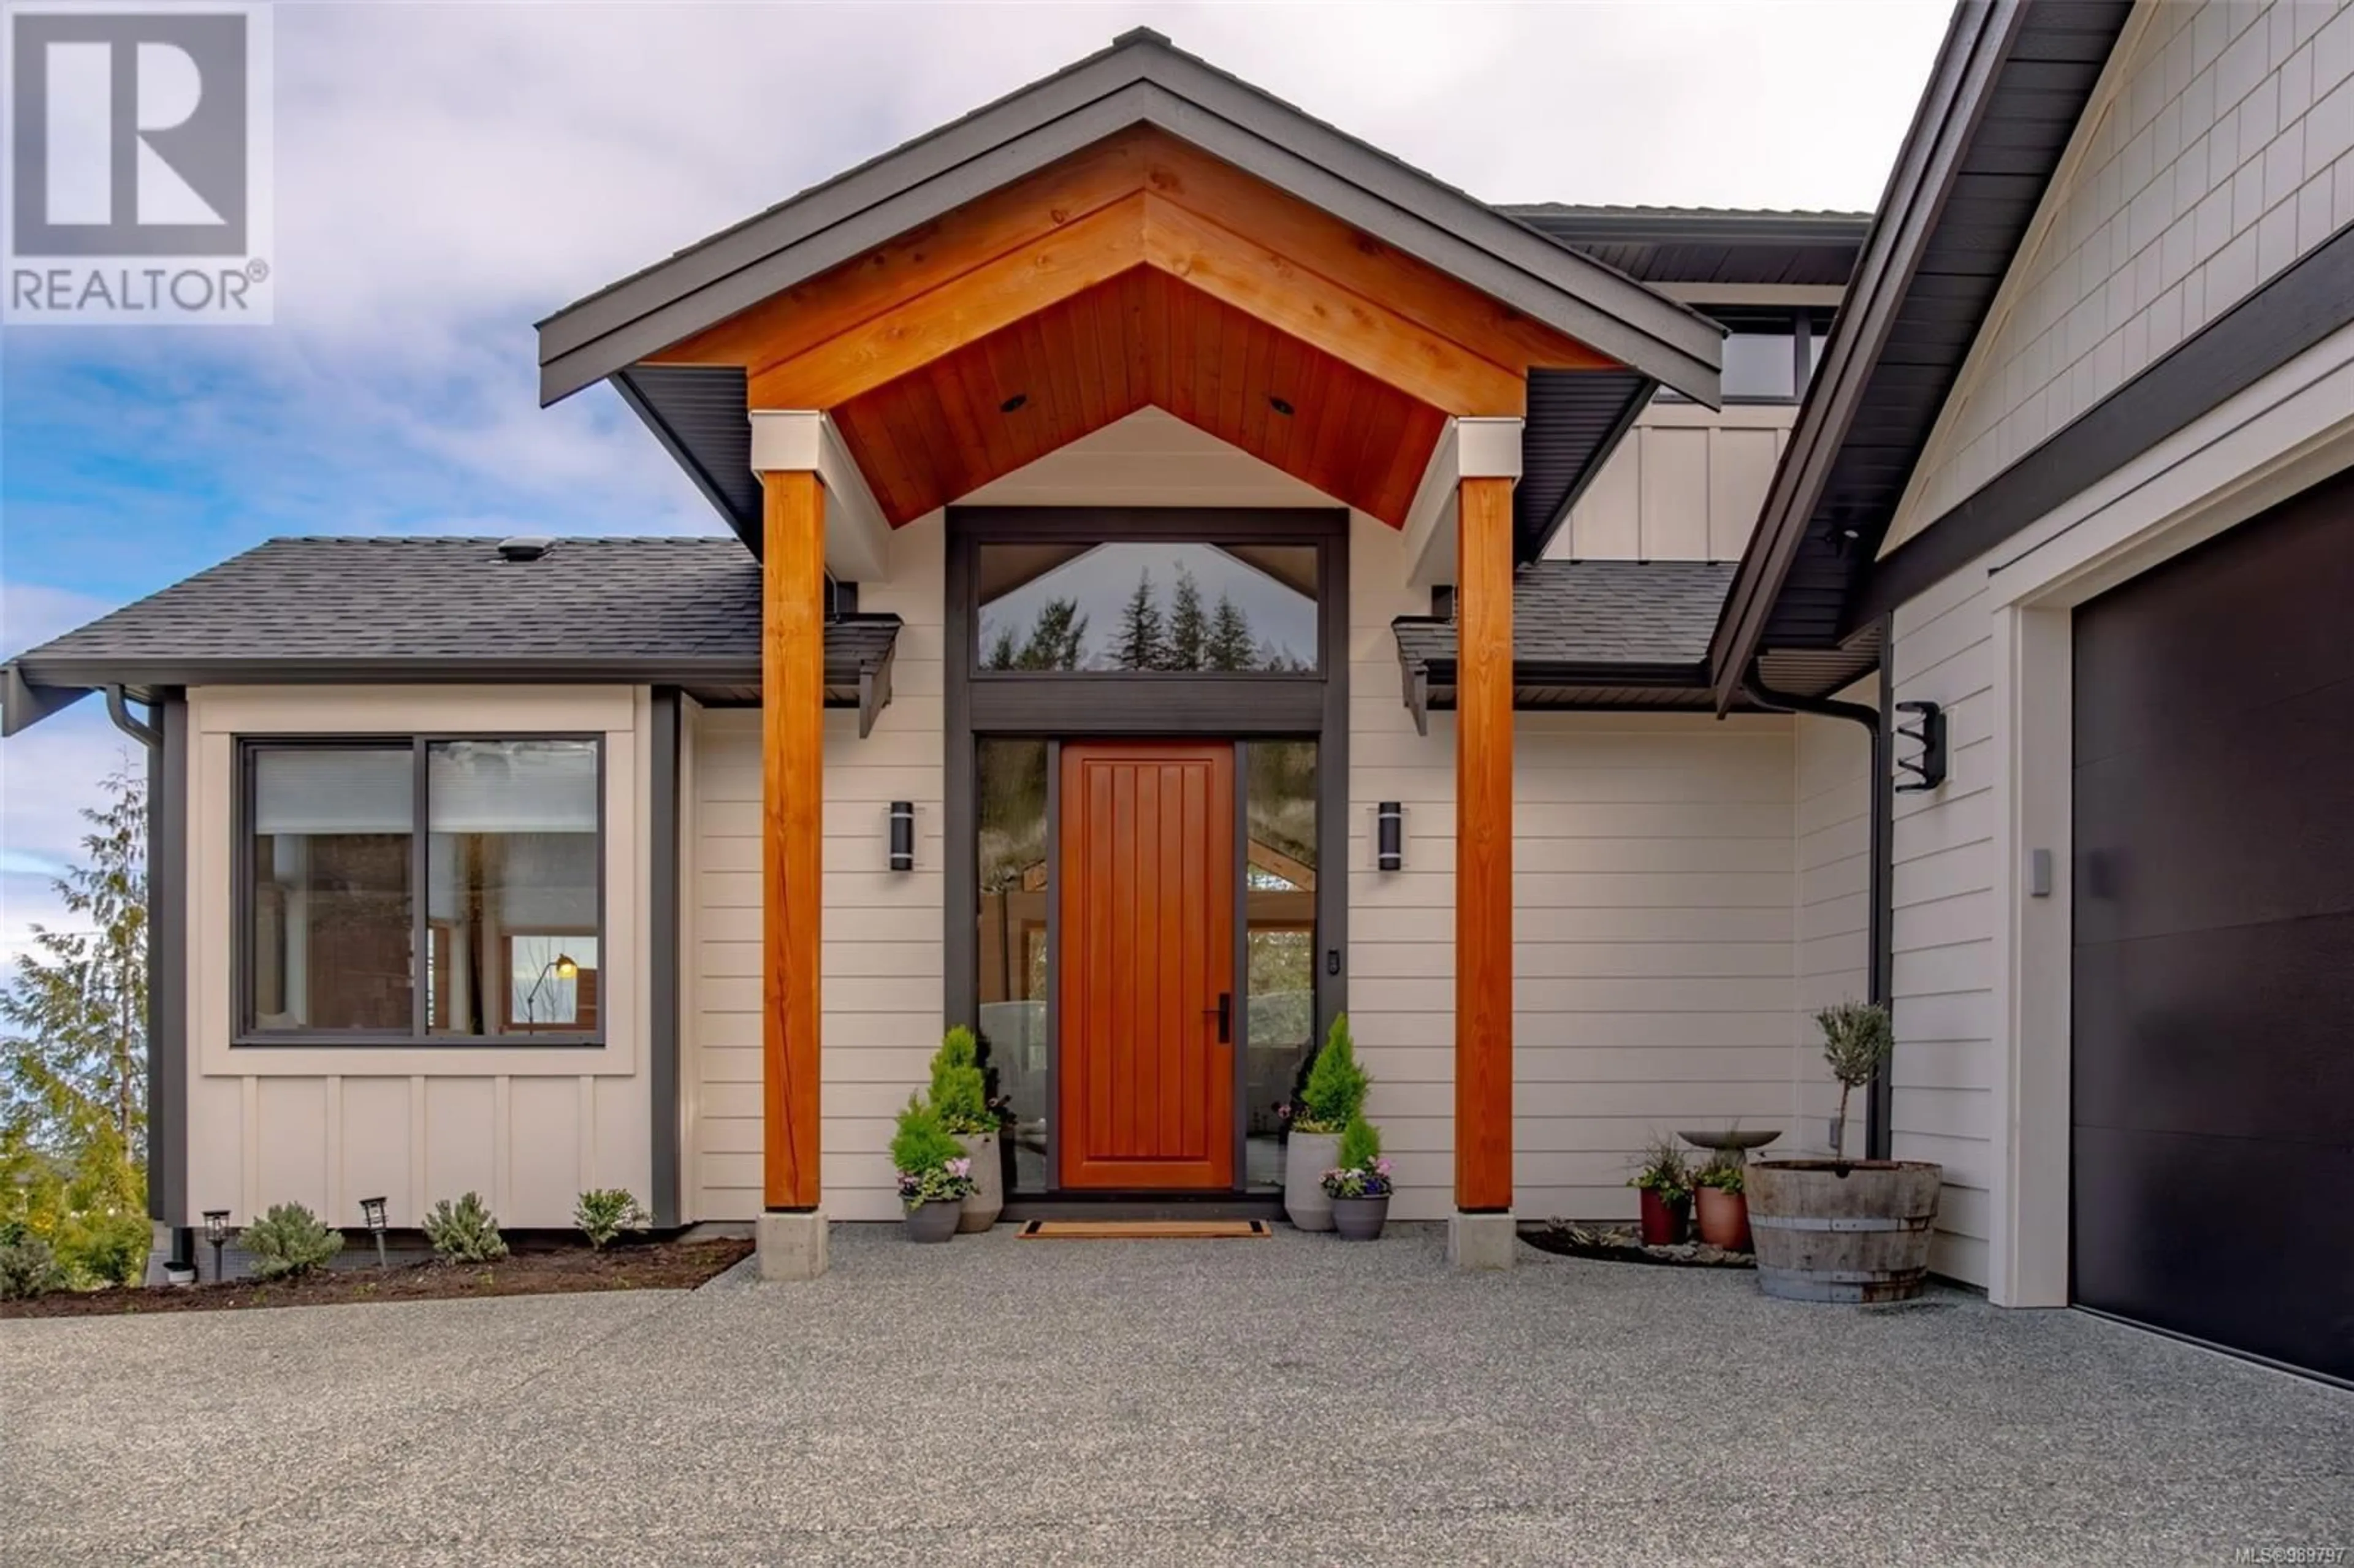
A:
(1144, 1230)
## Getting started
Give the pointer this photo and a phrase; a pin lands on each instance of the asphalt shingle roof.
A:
(417, 598)
(1594, 614)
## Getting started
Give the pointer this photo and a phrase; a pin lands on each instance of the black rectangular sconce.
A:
(903, 835)
(1926, 769)
(1389, 836)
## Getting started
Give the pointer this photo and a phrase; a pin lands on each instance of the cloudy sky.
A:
(449, 174)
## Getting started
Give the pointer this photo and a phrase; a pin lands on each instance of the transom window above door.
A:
(1147, 607)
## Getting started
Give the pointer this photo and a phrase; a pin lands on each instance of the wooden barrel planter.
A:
(1842, 1230)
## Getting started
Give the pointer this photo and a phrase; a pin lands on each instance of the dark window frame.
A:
(244, 1035)
(1806, 326)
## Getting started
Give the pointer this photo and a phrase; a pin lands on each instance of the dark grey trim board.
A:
(745, 520)
(662, 978)
(2300, 306)
(167, 966)
(1977, 43)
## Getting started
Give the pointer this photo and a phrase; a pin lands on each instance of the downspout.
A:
(1876, 1131)
(159, 1114)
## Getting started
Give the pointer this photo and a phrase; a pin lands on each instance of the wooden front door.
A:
(1145, 1016)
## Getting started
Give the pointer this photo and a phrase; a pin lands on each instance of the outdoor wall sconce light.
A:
(903, 835)
(372, 1211)
(216, 1233)
(1926, 769)
(1389, 836)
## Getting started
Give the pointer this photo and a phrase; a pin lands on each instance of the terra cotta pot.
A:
(1724, 1218)
(1361, 1219)
(932, 1221)
(1663, 1223)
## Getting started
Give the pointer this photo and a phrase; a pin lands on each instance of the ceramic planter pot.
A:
(1724, 1218)
(1306, 1157)
(987, 1199)
(1664, 1223)
(1843, 1230)
(932, 1221)
(1361, 1219)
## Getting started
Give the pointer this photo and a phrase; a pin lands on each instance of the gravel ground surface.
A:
(1295, 1400)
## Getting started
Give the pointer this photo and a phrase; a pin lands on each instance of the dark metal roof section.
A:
(663, 611)
(1586, 634)
(1141, 79)
(2009, 86)
(1706, 245)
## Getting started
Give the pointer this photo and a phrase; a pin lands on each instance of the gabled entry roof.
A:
(1141, 80)
(1128, 278)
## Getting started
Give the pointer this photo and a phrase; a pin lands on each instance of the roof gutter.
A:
(1978, 41)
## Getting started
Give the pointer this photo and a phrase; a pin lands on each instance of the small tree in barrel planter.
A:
(1838, 1229)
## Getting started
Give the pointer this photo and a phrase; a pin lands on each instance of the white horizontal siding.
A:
(880, 977)
(1654, 897)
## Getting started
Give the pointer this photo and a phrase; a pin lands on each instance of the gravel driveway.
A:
(1294, 1400)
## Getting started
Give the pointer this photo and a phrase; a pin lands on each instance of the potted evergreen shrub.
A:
(1359, 1186)
(961, 1100)
(1664, 1179)
(935, 1176)
(1838, 1229)
(1719, 1206)
(1333, 1096)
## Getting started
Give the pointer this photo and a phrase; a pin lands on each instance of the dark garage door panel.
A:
(2214, 1031)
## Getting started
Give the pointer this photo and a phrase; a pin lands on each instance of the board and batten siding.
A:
(880, 977)
(1685, 486)
(2219, 149)
(526, 1126)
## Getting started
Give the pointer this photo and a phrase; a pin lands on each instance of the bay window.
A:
(441, 888)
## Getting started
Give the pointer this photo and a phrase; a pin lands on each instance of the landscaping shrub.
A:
(106, 1248)
(288, 1242)
(1335, 1092)
(1361, 1143)
(960, 1091)
(604, 1213)
(921, 1143)
(465, 1232)
(29, 1267)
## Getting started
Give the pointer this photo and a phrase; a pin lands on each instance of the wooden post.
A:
(792, 741)
(1483, 847)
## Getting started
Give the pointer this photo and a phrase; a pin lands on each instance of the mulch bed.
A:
(1618, 1246)
(639, 1266)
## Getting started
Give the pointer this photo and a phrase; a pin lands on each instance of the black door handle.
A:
(1225, 1018)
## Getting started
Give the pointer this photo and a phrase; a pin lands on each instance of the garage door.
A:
(2213, 1040)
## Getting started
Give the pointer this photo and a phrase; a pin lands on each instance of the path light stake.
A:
(216, 1233)
(372, 1209)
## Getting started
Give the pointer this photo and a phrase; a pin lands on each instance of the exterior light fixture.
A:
(1013, 404)
(1926, 769)
(1282, 407)
(903, 835)
(1389, 836)
(372, 1211)
(216, 1233)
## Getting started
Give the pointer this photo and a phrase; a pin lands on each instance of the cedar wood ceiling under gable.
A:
(1138, 271)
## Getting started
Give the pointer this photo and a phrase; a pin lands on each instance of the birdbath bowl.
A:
(1743, 1139)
